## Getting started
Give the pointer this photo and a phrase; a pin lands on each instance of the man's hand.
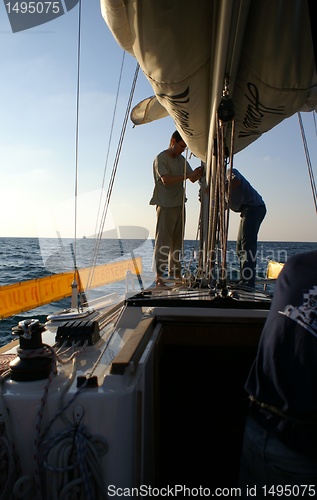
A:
(196, 174)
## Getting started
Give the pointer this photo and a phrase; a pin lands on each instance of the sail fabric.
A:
(185, 50)
(169, 49)
(148, 111)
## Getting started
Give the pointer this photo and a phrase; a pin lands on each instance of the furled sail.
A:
(147, 111)
(264, 46)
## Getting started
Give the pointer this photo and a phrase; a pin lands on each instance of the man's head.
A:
(177, 143)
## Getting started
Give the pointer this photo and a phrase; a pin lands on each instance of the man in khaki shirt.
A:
(170, 170)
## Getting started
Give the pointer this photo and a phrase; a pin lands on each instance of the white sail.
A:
(276, 75)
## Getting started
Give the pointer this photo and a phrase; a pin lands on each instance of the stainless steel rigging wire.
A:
(106, 205)
(110, 137)
(77, 135)
(309, 165)
(114, 171)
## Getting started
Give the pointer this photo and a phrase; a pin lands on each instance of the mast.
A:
(226, 45)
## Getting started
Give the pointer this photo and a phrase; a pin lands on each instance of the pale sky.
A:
(38, 148)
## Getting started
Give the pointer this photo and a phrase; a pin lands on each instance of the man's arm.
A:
(193, 176)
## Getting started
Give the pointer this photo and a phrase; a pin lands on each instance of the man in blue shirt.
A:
(247, 201)
(280, 440)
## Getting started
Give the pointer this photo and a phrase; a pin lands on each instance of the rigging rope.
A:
(77, 134)
(309, 165)
(227, 195)
(189, 277)
(110, 137)
(184, 199)
(96, 250)
(114, 171)
(219, 227)
(108, 196)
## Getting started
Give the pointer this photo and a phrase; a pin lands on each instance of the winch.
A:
(34, 360)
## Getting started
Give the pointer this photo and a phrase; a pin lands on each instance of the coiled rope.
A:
(66, 464)
(72, 464)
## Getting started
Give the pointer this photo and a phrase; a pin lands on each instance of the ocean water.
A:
(28, 258)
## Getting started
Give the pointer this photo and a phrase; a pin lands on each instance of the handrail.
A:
(133, 349)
